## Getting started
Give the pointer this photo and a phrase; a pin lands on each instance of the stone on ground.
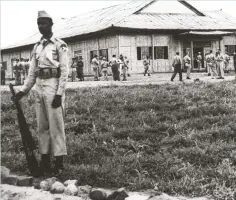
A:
(119, 194)
(10, 180)
(25, 180)
(47, 183)
(83, 191)
(68, 182)
(98, 195)
(4, 172)
(71, 189)
(57, 188)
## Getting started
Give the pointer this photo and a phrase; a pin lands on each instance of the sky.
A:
(18, 18)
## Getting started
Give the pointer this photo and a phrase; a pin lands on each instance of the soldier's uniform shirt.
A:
(49, 54)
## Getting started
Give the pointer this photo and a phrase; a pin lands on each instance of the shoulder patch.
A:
(62, 44)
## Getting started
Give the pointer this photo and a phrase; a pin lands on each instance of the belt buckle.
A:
(46, 74)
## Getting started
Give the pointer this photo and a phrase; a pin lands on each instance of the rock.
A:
(4, 172)
(68, 182)
(98, 195)
(57, 188)
(71, 189)
(46, 185)
(10, 180)
(136, 197)
(25, 180)
(85, 189)
(119, 194)
(36, 183)
(162, 197)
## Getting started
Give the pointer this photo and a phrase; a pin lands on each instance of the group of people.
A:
(77, 68)
(217, 64)
(118, 67)
(20, 70)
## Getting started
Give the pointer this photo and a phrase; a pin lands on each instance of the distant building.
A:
(127, 29)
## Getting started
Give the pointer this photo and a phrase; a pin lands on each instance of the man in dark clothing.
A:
(234, 62)
(115, 68)
(80, 66)
(2, 74)
(177, 63)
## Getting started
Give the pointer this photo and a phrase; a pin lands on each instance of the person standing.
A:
(17, 72)
(3, 74)
(23, 70)
(199, 61)
(207, 64)
(126, 62)
(115, 68)
(49, 73)
(187, 63)
(177, 63)
(220, 64)
(234, 56)
(104, 67)
(146, 64)
(95, 67)
(80, 69)
(211, 61)
(226, 62)
(73, 69)
(27, 64)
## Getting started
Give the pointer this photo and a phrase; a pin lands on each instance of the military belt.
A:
(46, 73)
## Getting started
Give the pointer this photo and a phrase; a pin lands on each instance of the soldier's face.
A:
(44, 25)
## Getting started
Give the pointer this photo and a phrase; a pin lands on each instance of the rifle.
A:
(26, 136)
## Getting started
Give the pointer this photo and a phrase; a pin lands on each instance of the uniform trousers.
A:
(51, 128)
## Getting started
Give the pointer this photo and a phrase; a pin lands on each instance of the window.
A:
(161, 52)
(78, 53)
(142, 52)
(92, 54)
(104, 53)
(230, 49)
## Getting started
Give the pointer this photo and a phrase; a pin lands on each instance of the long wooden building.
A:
(131, 30)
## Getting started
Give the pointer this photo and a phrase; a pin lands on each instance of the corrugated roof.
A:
(221, 33)
(123, 15)
(216, 20)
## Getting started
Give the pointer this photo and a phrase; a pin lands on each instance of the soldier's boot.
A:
(45, 165)
(58, 168)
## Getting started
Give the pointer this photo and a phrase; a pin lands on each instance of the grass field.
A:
(179, 139)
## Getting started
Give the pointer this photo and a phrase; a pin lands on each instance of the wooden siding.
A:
(109, 42)
(129, 44)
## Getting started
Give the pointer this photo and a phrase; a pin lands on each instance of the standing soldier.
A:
(115, 68)
(95, 67)
(121, 63)
(207, 64)
(211, 61)
(177, 63)
(23, 70)
(2, 74)
(226, 62)
(80, 69)
(146, 63)
(17, 72)
(73, 69)
(126, 62)
(220, 64)
(104, 67)
(49, 72)
(27, 64)
(234, 54)
(187, 63)
(199, 61)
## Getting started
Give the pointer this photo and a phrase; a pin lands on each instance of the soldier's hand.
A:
(56, 101)
(19, 95)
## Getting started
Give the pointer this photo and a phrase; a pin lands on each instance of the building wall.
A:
(110, 43)
(129, 44)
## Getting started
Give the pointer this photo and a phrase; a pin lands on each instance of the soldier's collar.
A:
(52, 39)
